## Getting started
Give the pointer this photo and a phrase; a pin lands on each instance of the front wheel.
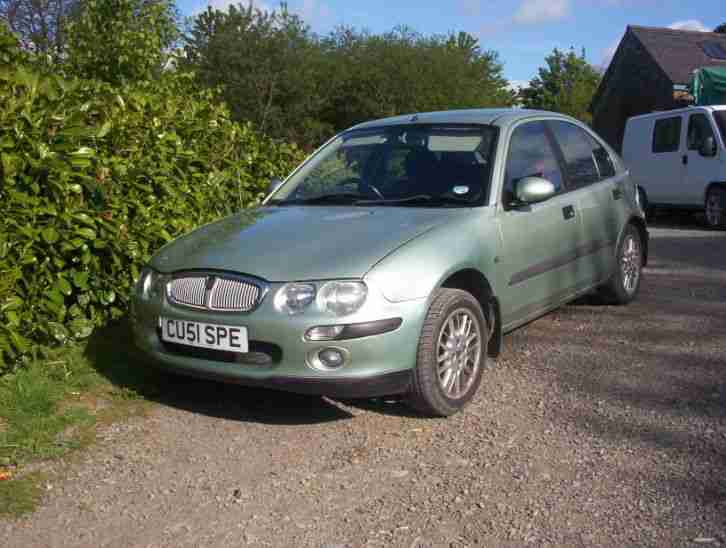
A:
(714, 208)
(625, 282)
(451, 355)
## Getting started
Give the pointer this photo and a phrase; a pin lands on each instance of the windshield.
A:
(720, 116)
(431, 166)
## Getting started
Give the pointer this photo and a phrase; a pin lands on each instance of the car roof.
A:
(486, 116)
(678, 111)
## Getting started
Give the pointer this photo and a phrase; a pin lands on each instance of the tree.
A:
(120, 41)
(40, 24)
(298, 86)
(271, 67)
(721, 29)
(567, 85)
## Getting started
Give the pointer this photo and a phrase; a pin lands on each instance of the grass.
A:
(54, 406)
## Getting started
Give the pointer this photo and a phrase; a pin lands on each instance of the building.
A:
(650, 71)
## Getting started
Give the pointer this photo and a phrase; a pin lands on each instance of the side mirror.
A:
(531, 190)
(273, 185)
(708, 147)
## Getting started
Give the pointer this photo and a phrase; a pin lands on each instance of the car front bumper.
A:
(279, 354)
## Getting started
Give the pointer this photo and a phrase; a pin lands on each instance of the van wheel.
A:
(714, 208)
(452, 353)
(644, 204)
(625, 282)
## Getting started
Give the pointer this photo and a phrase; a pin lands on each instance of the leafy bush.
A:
(94, 179)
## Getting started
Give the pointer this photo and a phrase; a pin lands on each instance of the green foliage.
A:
(120, 41)
(567, 85)
(721, 29)
(300, 87)
(95, 178)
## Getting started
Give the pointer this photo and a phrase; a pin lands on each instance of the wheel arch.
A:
(474, 282)
(712, 185)
(639, 223)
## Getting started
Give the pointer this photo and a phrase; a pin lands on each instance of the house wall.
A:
(635, 85)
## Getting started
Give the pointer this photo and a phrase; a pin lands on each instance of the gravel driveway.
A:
(597, 426)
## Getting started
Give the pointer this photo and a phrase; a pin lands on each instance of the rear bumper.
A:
(386, 384)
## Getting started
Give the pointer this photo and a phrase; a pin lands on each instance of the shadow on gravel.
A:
(111, 352)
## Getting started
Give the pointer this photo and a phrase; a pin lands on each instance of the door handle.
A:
(568, 212)
(617, 193)
(685, 159)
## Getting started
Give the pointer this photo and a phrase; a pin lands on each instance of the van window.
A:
(720, 116)
(530, 155)
(667, 135)
(586, 161)
(699, 129)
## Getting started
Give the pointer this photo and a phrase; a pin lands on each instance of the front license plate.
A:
(232, 338)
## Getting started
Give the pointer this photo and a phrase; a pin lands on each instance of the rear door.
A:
(538, 241)
(666, 165)
(593, 183)
(699, 170)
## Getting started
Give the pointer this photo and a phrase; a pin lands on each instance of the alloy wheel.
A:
(458, 353)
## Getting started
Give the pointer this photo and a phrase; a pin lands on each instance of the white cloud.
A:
(517, 85)
(607, 54)
(540, 11)
(689, 24)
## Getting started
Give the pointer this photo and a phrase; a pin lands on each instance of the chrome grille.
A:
(233, 295)
(189, 291)
(213, 292)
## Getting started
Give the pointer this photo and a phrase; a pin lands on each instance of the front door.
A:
(539, 241)
(700, 170)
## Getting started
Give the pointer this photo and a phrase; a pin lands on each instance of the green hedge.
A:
(95, 178)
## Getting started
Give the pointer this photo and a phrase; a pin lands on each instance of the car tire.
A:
(452, 354)
(715, 208)
(624, 284)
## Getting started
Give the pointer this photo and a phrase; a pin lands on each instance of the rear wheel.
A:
(451, 355)
(714, 207)
(625, 282)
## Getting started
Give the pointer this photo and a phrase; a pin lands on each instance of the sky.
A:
(522, 31)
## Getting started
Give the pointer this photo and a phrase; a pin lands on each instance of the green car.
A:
(395, 257)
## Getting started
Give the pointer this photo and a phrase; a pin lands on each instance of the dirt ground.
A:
(598, 426)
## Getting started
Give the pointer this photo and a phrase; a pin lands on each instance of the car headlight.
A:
(342, 298)
(150, 285)
(294, 298)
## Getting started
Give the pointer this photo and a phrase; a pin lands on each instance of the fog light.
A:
(328, 359)
(324, 333)
(331, 357)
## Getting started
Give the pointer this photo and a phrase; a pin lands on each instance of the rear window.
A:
(667, 135)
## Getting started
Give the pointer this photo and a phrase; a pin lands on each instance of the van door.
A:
(700, 170)
(666, 164)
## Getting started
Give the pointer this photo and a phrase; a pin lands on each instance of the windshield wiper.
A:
(344, 198)
(378, 201)
(426, 199)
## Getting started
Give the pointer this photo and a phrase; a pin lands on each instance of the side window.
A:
(699, 129)
(530, 154)
(667, 135)
(586, 161)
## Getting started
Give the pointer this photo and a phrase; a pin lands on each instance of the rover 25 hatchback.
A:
(395, 257)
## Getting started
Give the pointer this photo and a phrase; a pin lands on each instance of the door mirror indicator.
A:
(532, 190)
(708, 147)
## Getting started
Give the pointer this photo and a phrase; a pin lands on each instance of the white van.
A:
(678, 160)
